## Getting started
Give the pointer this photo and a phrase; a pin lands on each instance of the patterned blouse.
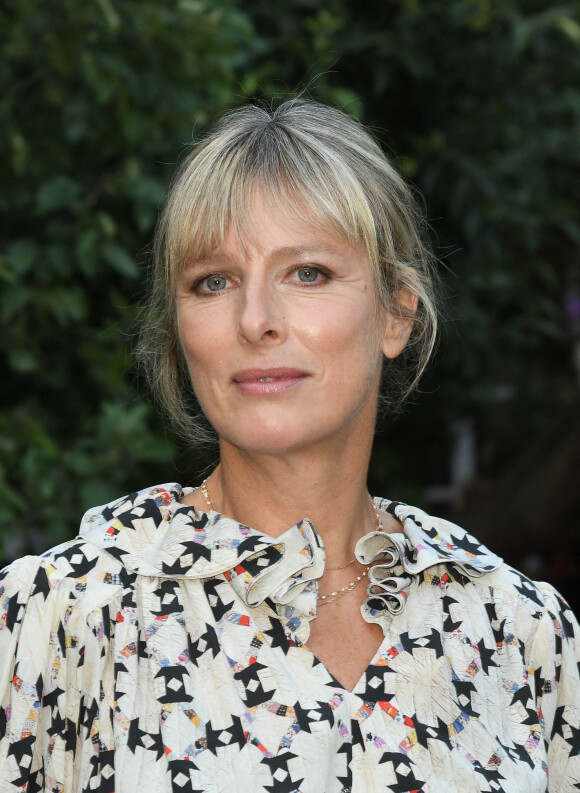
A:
(165, 649)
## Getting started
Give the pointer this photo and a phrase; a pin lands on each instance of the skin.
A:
(294, 297)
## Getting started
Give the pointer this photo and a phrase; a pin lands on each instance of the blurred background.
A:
(477, 101)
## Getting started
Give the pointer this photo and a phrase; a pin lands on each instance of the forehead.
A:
(281, 229)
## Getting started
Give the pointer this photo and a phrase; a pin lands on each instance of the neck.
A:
(272, 493)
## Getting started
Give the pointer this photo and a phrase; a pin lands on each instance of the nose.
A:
(261, 316)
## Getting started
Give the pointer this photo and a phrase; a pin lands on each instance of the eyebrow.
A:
(285, 252)
(304, 250)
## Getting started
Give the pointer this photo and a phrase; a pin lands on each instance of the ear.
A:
(399, 326)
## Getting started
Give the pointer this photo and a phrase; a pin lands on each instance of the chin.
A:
(276, 432)
(262, 437)
(267, 443)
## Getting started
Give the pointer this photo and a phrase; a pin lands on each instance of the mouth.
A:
(267, 381)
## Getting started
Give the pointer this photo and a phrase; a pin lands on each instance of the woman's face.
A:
(284, 336)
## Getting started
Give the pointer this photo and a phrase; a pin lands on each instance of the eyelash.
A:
(196, 286)
(316, 268)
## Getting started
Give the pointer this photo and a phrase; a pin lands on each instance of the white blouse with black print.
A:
(165, 649)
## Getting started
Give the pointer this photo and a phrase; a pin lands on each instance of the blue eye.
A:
(216, 283)
(308, 274)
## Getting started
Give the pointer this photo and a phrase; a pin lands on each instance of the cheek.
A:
(201, 351)
(198, 336)
(351, 336)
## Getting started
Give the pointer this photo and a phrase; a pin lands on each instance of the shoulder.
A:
(86, 572)
(75, 576)
(69, 562)
(533, 611)
(538, 615)
(431, 545)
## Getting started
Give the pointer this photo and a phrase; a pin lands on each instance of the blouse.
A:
(166, 649)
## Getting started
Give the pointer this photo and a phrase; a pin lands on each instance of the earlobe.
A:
(399, 326)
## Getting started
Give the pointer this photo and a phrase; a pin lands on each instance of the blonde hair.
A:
(310, 160)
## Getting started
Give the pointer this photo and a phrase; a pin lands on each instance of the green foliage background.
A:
(481, 106)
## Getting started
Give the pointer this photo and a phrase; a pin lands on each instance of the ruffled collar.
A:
(152, 534)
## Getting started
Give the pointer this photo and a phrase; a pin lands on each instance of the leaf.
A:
(21, 256)
(60, 192)
(65, 304)
(22, 361)
(110, 14)
(118, 258)
(570, 27)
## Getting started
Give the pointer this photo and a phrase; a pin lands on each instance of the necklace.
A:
(342, 567)
(323, 600)
(332, 596)
(206, 495)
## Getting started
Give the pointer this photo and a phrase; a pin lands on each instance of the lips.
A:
(267, 381)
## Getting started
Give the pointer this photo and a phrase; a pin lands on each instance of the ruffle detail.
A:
(387, 590)
(289, 582)
(153, 534)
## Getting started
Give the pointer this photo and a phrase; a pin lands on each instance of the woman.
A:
(188, 639)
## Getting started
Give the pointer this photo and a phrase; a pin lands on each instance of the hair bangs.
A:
(294, 181)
